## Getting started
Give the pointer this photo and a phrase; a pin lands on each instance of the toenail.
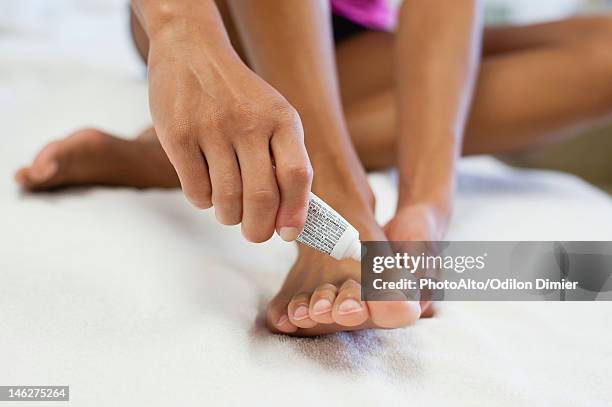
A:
(46, 173)
(323, 306)
(282, 320)
(300, 313)
(349, 306)
(288, 234)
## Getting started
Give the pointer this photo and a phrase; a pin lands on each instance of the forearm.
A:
(438, 54)
(290, 45)
(183, 22)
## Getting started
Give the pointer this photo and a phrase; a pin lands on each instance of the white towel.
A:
(134, 298)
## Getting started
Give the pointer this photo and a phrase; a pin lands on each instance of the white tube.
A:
(325, 230)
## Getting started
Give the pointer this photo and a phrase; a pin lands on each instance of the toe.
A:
(427, 309)
(348, 308)
(45, 165)
(277, 318)
(22, 176)
(322, 302)
(298, 311)
(43, 173)
(394, 314)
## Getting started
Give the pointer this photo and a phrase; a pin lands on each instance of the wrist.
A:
(172, 20)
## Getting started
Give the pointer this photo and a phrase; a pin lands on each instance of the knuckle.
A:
(228, 196)
(182, 134)
(263, 198)
(290, 118)
(241, 120)
(247, 117)
(180, 127)
(286, 113)
(247, 110)
(299, 174)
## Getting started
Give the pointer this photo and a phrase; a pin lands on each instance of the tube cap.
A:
(354, 250)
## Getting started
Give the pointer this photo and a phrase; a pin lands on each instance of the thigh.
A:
(579, 30)
(365, 62)
(365, 65)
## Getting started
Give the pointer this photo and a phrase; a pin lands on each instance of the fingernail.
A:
(323, 306)
(288, 234)
(300, 313)
(349, 306)
(282, 320)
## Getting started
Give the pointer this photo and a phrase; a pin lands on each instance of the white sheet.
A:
(133, 298)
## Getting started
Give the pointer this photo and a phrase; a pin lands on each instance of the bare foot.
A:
(421, 223)
(92, 157)
(322, 295)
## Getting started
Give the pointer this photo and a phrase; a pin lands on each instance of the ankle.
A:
(351, 198)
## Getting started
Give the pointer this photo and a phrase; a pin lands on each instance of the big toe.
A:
(45, 169)
(394, 314)
(22, 176)
(41, 174)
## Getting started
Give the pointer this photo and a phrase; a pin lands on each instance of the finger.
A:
(294, 177)
(260, 197)
(226, 182)
(186, 157)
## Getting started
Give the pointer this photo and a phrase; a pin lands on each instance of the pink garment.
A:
(375, 14)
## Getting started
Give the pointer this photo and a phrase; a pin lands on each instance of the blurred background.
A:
(95, 26)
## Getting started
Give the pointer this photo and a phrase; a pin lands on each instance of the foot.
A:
(417, 223)
(92, 157)
(322, 295)
(420, 223)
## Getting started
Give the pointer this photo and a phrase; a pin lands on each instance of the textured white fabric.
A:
(134, 298)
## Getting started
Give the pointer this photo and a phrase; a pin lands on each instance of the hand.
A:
(235, 142)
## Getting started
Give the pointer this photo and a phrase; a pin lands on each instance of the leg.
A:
(517, 103)
(537, 83)
(320, 295)
(91, 156)
(94, 157)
